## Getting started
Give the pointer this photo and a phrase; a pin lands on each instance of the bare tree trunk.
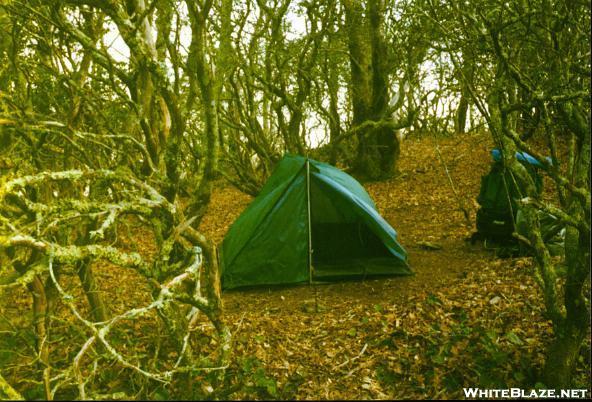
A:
(40, 322)
(98, 309)
(334, 117)
(460, 120)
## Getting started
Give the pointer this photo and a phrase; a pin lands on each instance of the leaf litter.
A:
(465, 319)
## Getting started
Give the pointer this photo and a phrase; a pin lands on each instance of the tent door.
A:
(342, 245)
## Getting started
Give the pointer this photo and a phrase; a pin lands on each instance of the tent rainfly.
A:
(310, 222)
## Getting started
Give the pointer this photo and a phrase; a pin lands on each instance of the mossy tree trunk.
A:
(209, 84)
(574, 326)
(570, 317)
(378, 145)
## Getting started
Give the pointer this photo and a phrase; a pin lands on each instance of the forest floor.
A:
(465, 319)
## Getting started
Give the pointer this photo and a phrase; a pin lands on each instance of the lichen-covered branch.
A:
(37, 250)
(8, 392)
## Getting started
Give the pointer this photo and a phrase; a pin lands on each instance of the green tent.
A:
(272, 243)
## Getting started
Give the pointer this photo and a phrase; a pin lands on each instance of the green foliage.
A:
(463, 354)
(249, 379)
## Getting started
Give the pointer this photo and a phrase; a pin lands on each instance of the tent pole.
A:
(309, 221)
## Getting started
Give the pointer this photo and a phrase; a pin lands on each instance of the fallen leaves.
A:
(464, 319)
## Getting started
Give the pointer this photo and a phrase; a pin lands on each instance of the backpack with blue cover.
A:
(498, 197)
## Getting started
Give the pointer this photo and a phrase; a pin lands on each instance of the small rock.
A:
(495, 300)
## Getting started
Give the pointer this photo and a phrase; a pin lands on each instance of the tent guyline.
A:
(310, 222)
